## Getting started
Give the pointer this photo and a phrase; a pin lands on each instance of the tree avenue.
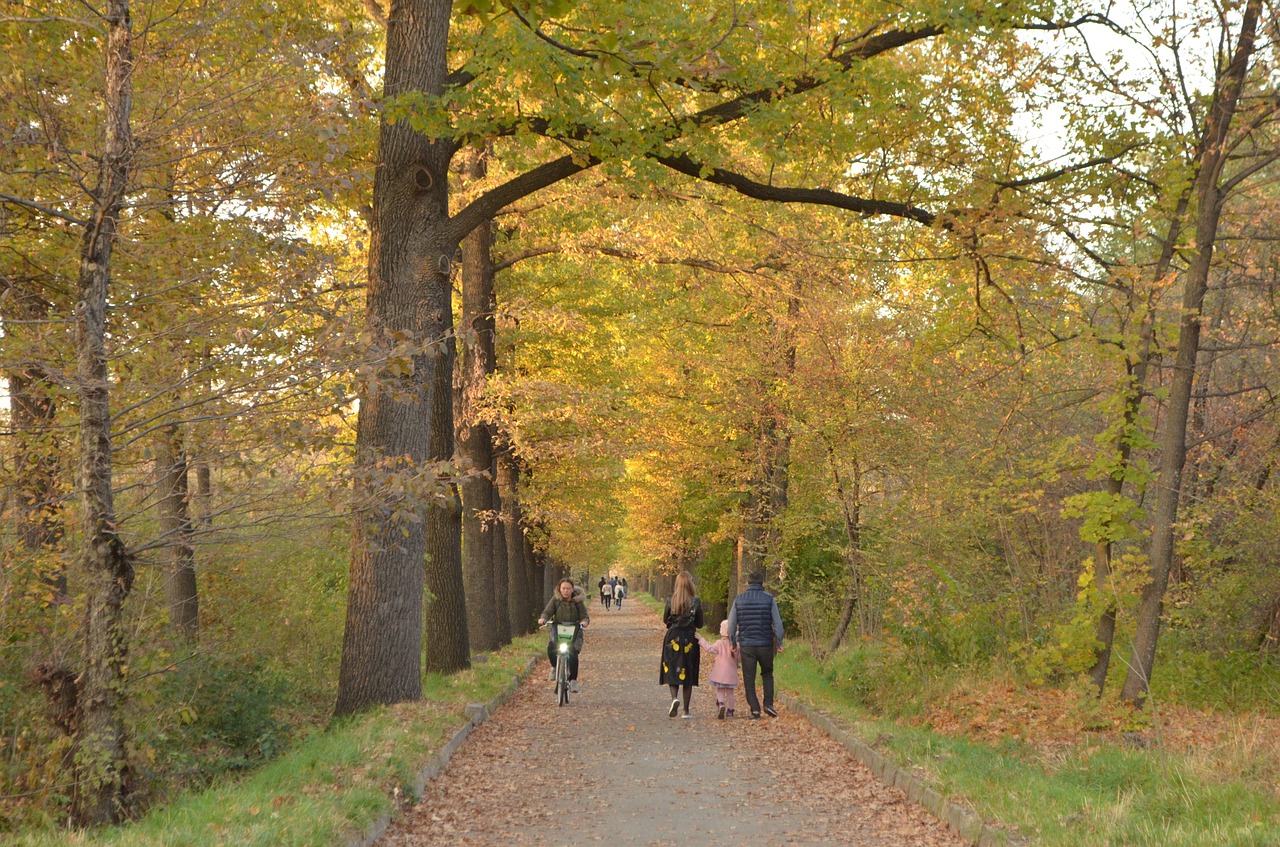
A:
(414, 237)
(333, 335)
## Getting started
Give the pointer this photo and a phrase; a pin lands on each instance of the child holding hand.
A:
(724, 673)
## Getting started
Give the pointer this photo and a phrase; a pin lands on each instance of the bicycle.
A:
(563, 634)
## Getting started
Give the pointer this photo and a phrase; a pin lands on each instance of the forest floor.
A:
(612, 767)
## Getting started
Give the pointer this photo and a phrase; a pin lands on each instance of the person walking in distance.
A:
(680, 656)
(755, 628)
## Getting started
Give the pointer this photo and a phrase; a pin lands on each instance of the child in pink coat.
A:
(724, 673)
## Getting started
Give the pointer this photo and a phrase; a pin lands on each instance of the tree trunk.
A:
(202, 499)
(36, 465)
(852, 513)
(447, 642)
(735, 575)
(520, 600)
(537, 576)
(1135, 387)
(37, 450)
(552, 573)
(447, 646)
(1209, 201)
(175, 529)
(403, 408)
(502, 575)
(101, 765)
(475, 444)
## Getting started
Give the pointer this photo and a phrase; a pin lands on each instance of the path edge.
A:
(962, 821)
(477, 713)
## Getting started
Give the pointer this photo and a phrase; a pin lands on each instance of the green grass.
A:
(329, 786)
(1095, 793)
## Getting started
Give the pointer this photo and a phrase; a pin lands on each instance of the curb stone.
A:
(476, 714)
(963, 822)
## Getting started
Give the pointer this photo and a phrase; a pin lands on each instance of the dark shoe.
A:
(755, 716)
(770, 711)
(674, 710)
(721, 712)
(730, 713)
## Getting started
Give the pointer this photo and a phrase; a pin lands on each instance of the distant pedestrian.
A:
(755, 628)
(724, 673)
(680, 657)
(619, 591)
(605, 594)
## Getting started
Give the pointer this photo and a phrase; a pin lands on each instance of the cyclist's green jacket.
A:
(573, 610)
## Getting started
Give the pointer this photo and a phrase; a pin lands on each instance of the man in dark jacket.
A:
(755, 628)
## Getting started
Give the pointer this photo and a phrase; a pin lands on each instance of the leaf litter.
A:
(613, 767)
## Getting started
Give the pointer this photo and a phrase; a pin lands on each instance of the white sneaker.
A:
(573, 686)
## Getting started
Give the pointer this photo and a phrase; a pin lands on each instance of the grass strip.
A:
(332, 785)
(1096, 792)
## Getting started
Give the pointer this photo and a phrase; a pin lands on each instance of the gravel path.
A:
(612, 768)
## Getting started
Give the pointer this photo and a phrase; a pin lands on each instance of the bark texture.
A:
(484, 580)
(36, 467)
(409, 314)
(101, 766)
(173, 507)
(520, 596)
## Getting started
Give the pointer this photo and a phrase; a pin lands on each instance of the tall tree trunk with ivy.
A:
(37, 462)
(101, 765)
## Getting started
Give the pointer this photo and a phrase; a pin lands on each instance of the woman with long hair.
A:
(680, 654)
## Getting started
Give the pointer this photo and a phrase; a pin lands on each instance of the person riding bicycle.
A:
(567, 606)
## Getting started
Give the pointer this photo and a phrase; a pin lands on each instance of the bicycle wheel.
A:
(562, 681)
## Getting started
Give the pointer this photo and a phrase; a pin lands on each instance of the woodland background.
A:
(328, 345)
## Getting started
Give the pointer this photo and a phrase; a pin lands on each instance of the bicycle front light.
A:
(564, 648)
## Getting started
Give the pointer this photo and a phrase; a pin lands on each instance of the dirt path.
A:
(612, 768)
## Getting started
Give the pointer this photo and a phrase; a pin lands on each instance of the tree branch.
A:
(777, 194)
(44, 210)
(492, 201)
(1066, 169)
(375, 11)
(532, 253)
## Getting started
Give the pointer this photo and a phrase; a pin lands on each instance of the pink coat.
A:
(725, 669)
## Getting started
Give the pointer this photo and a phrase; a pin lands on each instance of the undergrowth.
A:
(1137, 783)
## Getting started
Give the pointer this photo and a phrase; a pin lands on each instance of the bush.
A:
(231, 709)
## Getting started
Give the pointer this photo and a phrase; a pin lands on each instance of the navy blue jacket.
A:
(754, 620)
